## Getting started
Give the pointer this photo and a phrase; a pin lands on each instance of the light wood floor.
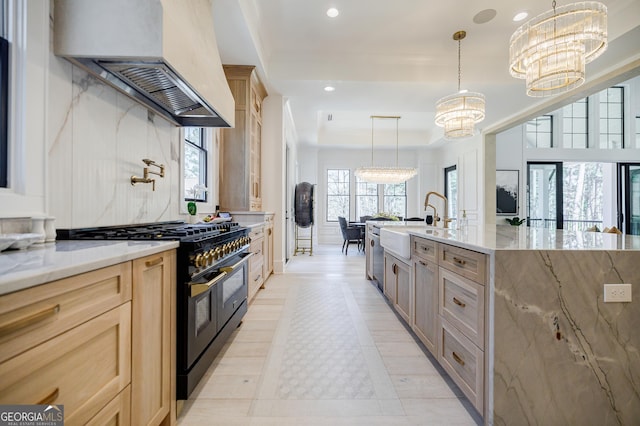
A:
(320, 346)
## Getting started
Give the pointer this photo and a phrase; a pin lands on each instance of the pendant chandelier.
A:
(459, 113)
(385, 174)
(551, 50)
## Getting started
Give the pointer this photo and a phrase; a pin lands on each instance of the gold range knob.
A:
(198, 261)
(210, 257)
(217, 253)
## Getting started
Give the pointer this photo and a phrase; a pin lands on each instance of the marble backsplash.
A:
(98, 138)
(562, 355)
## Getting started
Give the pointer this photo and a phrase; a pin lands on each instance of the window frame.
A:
(452, 201)
(568, 131)
(385, 196)
(548, 117)
(348, 195)
(203, 149)
(607, 119)
(4, 112)
(358, 182)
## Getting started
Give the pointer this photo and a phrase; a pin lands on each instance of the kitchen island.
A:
(544, 347)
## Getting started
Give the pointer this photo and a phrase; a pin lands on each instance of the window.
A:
(575, 118)
(637, 132)
(195, 164)
(612, 118)
(395, 199)
(366, 198)
(539, 133)
(337, 194)
(451, 190)
(4, 100)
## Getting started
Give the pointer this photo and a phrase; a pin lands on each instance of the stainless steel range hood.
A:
(162, 53)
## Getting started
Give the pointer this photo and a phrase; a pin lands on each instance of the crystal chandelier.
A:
(459, 113)
(551, 50)
(385, 174)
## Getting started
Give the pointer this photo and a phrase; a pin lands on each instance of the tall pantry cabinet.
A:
(240, 149)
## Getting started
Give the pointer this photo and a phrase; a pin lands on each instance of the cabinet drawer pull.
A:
(373, 243)
(423, 263)
(257, 278)
(394, 268)
(457, 358)
(425, 248)
(47, 400)
(154, 262)
(14, 325)
(459, 262)
(459, 303)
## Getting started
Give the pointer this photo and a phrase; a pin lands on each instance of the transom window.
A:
(575, 118)
(337, 194)
(539, 132)
(612, 118)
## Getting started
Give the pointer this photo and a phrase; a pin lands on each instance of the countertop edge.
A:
(22, 280)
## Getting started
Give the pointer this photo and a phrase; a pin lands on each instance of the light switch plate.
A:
(617, 292)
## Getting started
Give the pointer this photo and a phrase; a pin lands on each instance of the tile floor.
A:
(320, 346)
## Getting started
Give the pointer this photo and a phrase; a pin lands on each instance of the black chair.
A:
(350, 234)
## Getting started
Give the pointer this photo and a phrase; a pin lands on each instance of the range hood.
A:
(162, 53)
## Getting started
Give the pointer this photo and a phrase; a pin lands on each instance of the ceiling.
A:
(384, 58)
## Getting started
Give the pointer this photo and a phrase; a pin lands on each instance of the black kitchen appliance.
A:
(212, 285)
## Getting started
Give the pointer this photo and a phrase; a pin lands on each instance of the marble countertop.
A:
(20, 269)
(491, 238)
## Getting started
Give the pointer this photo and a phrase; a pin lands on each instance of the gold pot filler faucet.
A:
(145, 177)
(446, 220)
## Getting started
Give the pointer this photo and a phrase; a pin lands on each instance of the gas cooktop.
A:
(175, 230)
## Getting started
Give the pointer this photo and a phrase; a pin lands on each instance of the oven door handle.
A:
(197, 288)
(229, 269)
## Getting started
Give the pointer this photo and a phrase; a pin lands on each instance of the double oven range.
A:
(212, 286)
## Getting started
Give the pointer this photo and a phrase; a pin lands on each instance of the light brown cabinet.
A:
(241, 146)
(397, 285)
(152, 354)
(101, 343)
(268, 247)
(425, 304)
(256, 262)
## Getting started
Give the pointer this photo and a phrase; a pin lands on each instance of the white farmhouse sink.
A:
(396, 241)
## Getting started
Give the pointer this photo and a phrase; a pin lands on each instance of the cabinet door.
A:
(403, 290)
(425, 310)
(389, 284)
(152, 354)
(268, 252)
(83, 369)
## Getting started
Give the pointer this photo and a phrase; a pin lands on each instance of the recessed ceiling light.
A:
(520, 16)
(329, 88)
(332, 12)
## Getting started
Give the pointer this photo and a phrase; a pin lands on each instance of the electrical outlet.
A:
(617, 292)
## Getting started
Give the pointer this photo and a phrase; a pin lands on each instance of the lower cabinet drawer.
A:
(462, 304)
(464, 362)
(115, 413)
(84, 368)
(32, 316)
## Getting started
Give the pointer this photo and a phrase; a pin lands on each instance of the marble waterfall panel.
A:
(562, 355)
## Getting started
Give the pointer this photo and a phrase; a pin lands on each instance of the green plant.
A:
(516, 221)
(387, 216)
